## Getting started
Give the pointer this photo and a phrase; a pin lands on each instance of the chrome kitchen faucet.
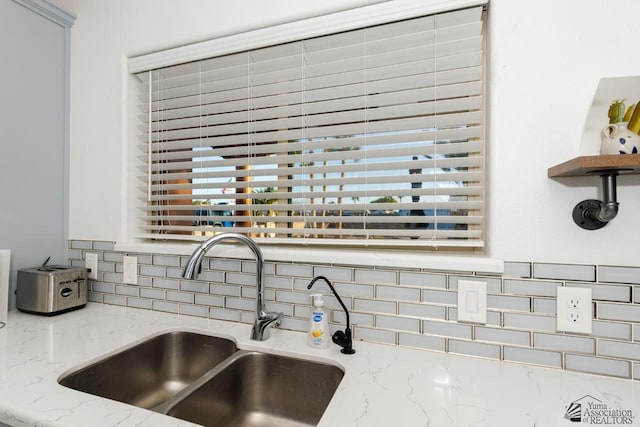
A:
(264, 319)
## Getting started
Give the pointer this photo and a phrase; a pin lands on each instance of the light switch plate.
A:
(91, 262)
(472, 301)
(574, 308)
(130, 270)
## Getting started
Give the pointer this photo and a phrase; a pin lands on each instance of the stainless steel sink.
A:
(261, 389)
(209, 381)
(151, 372)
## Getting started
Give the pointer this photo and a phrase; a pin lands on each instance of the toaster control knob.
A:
(65, 292)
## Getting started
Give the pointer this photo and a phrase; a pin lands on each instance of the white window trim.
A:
(297, 30)
(340, 21)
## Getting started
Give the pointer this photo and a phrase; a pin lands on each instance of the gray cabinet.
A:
(34, 126)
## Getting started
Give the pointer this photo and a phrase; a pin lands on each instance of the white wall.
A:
(545, 60)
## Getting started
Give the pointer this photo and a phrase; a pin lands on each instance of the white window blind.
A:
(370, 136)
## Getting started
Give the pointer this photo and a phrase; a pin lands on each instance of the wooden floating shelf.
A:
(593, 165)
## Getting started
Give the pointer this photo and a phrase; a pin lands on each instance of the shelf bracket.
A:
(594, 214)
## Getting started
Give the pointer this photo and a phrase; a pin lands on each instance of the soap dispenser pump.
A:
(318, 324)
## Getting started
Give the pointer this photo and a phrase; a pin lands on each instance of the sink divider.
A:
(168, 404)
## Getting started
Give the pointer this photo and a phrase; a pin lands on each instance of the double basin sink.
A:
(207, 380)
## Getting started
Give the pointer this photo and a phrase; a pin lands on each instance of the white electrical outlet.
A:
(574, 310)
(472, 301)
(91, 262)
(130, 270)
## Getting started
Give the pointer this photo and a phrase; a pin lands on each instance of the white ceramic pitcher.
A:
(617, 139)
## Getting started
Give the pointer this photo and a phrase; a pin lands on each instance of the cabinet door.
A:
(33, 169)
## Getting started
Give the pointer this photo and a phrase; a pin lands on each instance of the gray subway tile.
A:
(210, 276)
(354, 290)
(374, 335)
(426, 280)
(112, 277)
(240, 304)
(294, 270)
(278, 282)
(601, 292)
(166, 283)
(474, 349)
(618, 349)
(105, 288)
(439, 297)
(612, 274)
(295, 297)
(225, 264)
(75, 254)
(585, 273)
(614, 330)
(81, 244)
(180, 297)
(622, 312)
(113, 257)
(139, 303)
(225, 314)
(374, 277)
(398, 323)
(517, 269)
(169, 307)
(374, 306)
(544, 305)
(500, 335)
(530, 322)
(535, 288)
(334, 273)
(166, 260)
(115, 299)
(132, 291)
(598, 365)
(210, 300)
(636, 371)
(151, 270)
(294, 324)
(422, 310)
(240, 279)
(447, 329)
(363, 319)
(95, 297)
(194, 310)
(564, 343)
(506, 302)
(232, 291)
(532, 356)
(103, 246)
(398, 293)
(194, 286)
(152, 293)
(422, 341)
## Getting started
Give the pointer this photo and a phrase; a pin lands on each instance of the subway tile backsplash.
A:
(406, 307)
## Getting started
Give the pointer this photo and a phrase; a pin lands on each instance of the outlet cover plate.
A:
(574, 308)
(91, 262)
(472, 301)
(130, 270)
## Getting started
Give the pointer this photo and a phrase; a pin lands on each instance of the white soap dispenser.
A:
(318, 324)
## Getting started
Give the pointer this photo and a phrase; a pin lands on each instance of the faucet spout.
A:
(264, 319)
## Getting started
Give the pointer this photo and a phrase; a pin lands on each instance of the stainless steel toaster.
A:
(51, 289)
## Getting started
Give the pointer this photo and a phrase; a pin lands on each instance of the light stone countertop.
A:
(383, 385)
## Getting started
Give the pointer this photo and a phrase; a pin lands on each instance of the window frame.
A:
(341, 21)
